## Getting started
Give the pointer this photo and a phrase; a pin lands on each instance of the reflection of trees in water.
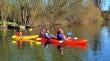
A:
(3, 33)
(109, 32)
(4, 45)
(96, 44)
(70, 54)
(108, 28)
(106, 23)
(99, 39)
(0, 37)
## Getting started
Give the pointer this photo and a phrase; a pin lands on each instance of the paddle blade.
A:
(38, 39)
(38, 43)
(14, 42)
(30, 29)
(13, 36)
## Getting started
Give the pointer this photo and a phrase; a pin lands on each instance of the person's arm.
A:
(52, 36)
(64, 37)
(47, 35)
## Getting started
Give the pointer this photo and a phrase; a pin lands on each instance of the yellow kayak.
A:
(30, 42)
(32, 37)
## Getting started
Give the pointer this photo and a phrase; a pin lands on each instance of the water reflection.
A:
(48, 54)
(98, 46)
(3, 45)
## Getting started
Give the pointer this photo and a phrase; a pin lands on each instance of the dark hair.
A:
(58, 32)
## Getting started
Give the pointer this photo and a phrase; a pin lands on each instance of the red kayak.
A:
(80, 42)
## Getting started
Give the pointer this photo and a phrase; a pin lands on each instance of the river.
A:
(98, 46)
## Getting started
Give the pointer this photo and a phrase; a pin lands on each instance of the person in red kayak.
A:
(42, 33)
(69, 37)
(47, 37)
(61, 37)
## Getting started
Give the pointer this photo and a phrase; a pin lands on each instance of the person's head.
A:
(69, 33)
(47, 30)
(19, 33)
(60, 30)
(43, 29)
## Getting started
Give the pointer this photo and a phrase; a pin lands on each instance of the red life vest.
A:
(18, 33)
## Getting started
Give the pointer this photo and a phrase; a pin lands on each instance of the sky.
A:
(105, 5)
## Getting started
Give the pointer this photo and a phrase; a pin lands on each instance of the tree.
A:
(27, 12)
(5, 10)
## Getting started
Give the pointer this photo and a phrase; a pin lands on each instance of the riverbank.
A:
(62, 22)
(106, 15)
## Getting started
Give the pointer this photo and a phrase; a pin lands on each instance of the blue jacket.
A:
(60, 36)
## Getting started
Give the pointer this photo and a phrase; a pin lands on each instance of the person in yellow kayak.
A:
(61, 37)
(20, 39)
(19, 32)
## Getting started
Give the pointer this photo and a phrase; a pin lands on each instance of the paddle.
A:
(37, 39)
(30, 29)
(13, 41)
(14, 36)
(38, 43)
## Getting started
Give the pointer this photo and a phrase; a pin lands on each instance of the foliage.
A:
(28, 12)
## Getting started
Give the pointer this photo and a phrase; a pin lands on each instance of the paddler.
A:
(18, 32)
(47, 37)
(20, 39)
(61, 37)
(42, 33)
(69, 37)
(45, 34)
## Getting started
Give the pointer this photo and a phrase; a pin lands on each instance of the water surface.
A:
(98, 46)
